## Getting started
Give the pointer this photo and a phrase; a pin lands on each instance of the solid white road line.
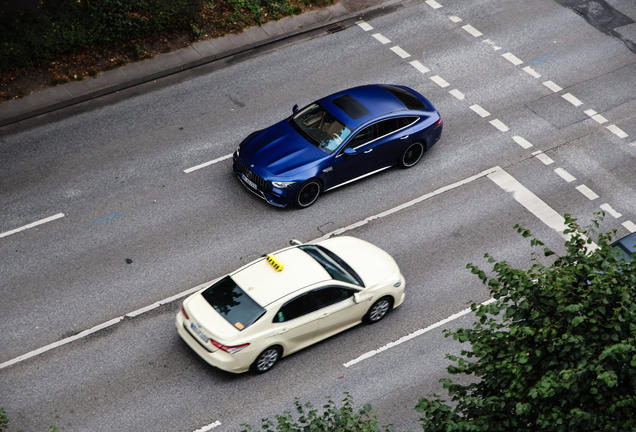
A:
(455, 19)
(399, 51)
(433, 4)
(589, 193)
(472, 30)
(552, 86)
(479, 110)
(543, 157)
(617, 131)
(499, 125)
(32, 224)
(364, 25)
(532, 72)
(631, 226)
(522, 142)
(381, 38)
(512, 58)
(608, 209)
(419, 66)
(459, 95)
(439, 81)
(412, 335)
(203, 165)
(565, 175)
(209, 427)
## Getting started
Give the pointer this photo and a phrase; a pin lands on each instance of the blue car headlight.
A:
(283, 184)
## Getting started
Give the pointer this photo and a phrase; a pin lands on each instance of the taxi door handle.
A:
(326, 314)
(283, 331)
(405, 137)
(369, 151)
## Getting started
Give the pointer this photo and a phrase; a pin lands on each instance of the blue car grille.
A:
(260, 181)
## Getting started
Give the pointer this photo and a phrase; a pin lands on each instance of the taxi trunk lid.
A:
(206, 322)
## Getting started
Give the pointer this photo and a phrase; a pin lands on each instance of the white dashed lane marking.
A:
(439, 81)
(433, 4)
(459, 95)
(522, 142)
(364, 25)
(608, 209)
(499, 125)
(543, 157)
(479, 110)
(512, 58)
(472, 30)
(209, 427)
(32, 224)
(589, 193)
(572, 99)
(455, 19)
(631, 226)
(419, 66)
(617, 131)
(381, 38)
(531, 72)
(596, 117)
(552, 86)
(399, 51)
(565, 175)
(205, 164)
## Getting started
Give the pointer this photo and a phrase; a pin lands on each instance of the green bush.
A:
(33, 35)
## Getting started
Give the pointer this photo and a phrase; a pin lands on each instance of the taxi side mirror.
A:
(295, 242)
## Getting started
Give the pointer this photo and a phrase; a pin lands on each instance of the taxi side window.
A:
(301, 305)
(328, 296)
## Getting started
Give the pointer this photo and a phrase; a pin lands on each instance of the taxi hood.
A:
(373, 265)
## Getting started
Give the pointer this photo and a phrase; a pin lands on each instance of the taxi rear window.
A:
(233, 304)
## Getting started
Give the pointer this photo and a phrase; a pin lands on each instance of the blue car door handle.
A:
(405, 137)
(369, 151)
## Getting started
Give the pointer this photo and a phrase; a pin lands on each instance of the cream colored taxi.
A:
(279, 304)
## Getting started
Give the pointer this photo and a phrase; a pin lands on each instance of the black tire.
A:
(308, 193)
(378, 310)
(266, 360)
(412, 155)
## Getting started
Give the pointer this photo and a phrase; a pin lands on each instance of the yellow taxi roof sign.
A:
(274, 262)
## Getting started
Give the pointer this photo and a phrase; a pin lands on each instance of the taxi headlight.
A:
(283, 184)
(398, 283)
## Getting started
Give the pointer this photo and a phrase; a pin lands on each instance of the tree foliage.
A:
(332, 419)
(555, 351)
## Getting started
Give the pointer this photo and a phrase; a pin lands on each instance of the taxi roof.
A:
(261, 281)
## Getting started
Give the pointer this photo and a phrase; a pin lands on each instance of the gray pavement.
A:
(616, 18)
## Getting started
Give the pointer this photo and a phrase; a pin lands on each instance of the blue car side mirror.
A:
(295, 108)
(349, 152)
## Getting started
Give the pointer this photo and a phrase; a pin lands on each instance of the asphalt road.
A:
(115, 169)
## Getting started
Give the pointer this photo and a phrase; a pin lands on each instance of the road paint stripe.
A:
(543, 157)
(209, 427)
(459, 95)
(472, 30)
(631, 226)
(455, 19)
(599, 119)
(572, 99)
(408, 204)
(512, 58)
(399, 51)
(499, 125)
(549, 56)
(522, 142)
(439, 81)
(589, 193)
(382, 39)
(552, 86)
(413, 335)
(534, 204)
(608, 209)
(364, 25)
(419, 66)
(61, 342)
(433, 4)
(479, 110)
(532, 72)
(32, 224)
(105, 218)
(617, 131)
(491, 43)
(565, 175)
(203, 165)
(590, 112)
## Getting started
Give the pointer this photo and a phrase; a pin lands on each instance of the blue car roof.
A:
(374, 98)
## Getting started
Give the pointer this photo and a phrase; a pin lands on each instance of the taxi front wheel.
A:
(266, 360)
(378, 310)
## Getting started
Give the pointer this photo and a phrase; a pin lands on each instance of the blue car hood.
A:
(279, 150)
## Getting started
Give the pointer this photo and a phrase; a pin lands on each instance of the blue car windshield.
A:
(320, 128)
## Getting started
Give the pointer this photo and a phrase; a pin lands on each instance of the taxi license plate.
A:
(249, 182)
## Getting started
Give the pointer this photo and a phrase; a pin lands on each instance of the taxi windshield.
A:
(320, 128)
(232, 303)
(335, 266)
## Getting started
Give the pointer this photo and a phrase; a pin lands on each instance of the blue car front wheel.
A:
(308, 193)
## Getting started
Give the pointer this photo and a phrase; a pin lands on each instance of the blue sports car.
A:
(337, 140)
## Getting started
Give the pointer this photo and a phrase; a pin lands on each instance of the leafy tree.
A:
(332, 419)
(556, 351)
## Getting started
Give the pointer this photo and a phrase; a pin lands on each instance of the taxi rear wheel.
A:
(266, 360)
(378, 310)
